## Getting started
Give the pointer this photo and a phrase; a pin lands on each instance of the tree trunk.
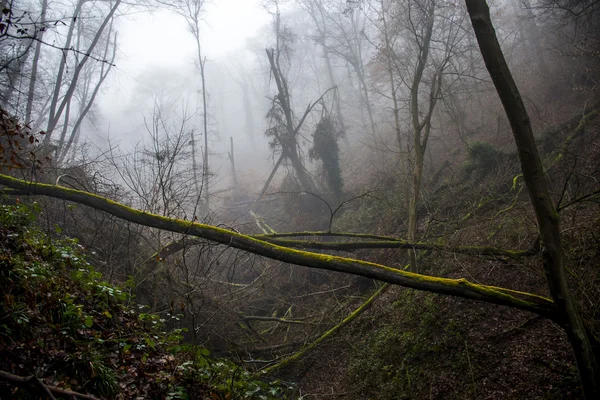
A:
(103, 74)
(289, 145)
(34, 64)
(547, 217)
(61, 68)
(420, 128)
(55, 113)
(454, 287)
(192, 16)
(232, 159)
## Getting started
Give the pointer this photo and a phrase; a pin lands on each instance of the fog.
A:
(387, 75)
(157, 61)
(325, 146)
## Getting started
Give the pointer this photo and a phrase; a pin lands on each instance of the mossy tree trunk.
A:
(547, 217)
(454, 287)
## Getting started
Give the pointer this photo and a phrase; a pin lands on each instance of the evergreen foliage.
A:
(325, 148)
(483, 158)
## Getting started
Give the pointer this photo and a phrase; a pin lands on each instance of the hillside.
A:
(416, 345)
(71, 333)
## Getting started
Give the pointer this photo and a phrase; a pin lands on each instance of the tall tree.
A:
(192, 11)
(347, 40)
(430, 31)
(317, 12)
(60, 100)
(581, 339)
(35, 63)
(284, 130)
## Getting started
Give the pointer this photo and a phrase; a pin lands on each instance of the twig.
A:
(24, 380)
(578, 200)
(274, 319)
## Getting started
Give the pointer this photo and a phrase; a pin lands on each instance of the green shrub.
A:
(482, 159)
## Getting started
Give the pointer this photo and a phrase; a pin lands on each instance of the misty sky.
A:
(161, 40)
(158, 46)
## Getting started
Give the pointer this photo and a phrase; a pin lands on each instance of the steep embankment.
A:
(425, 346)
(63, 329)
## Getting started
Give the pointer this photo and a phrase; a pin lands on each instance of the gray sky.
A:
(160, 46)
(161, 39)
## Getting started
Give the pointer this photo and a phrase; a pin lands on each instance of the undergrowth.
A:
(388, 364)
(60, 321)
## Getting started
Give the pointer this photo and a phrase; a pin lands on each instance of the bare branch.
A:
(454, 287)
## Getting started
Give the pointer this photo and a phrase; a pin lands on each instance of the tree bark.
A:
(546, 215)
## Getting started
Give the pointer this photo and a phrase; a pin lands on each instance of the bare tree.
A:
(346, 39)
(548, 220)
(284, 130)
(61, 99)
(159, 173)
(317, 13)
(34, 64)
(20, 29)
(192, 11)
(429, 32)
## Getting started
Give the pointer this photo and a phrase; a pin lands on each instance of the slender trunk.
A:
(34, 64)
(365, 95)
(232, 159)
(270, 178)
(194, 163)
(303, 177)
(420, 129)
(546, 215)
(65, 127)
(103, 74)
(390, 66)
(195, 27)
(63, 134)
(414, 203)
(360, 70)
(61, 67)
(248, 114)
(54, 112)
(205, 167)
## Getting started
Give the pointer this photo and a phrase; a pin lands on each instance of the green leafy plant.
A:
(482, 159)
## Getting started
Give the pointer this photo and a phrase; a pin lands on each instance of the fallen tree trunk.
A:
(454, 287)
